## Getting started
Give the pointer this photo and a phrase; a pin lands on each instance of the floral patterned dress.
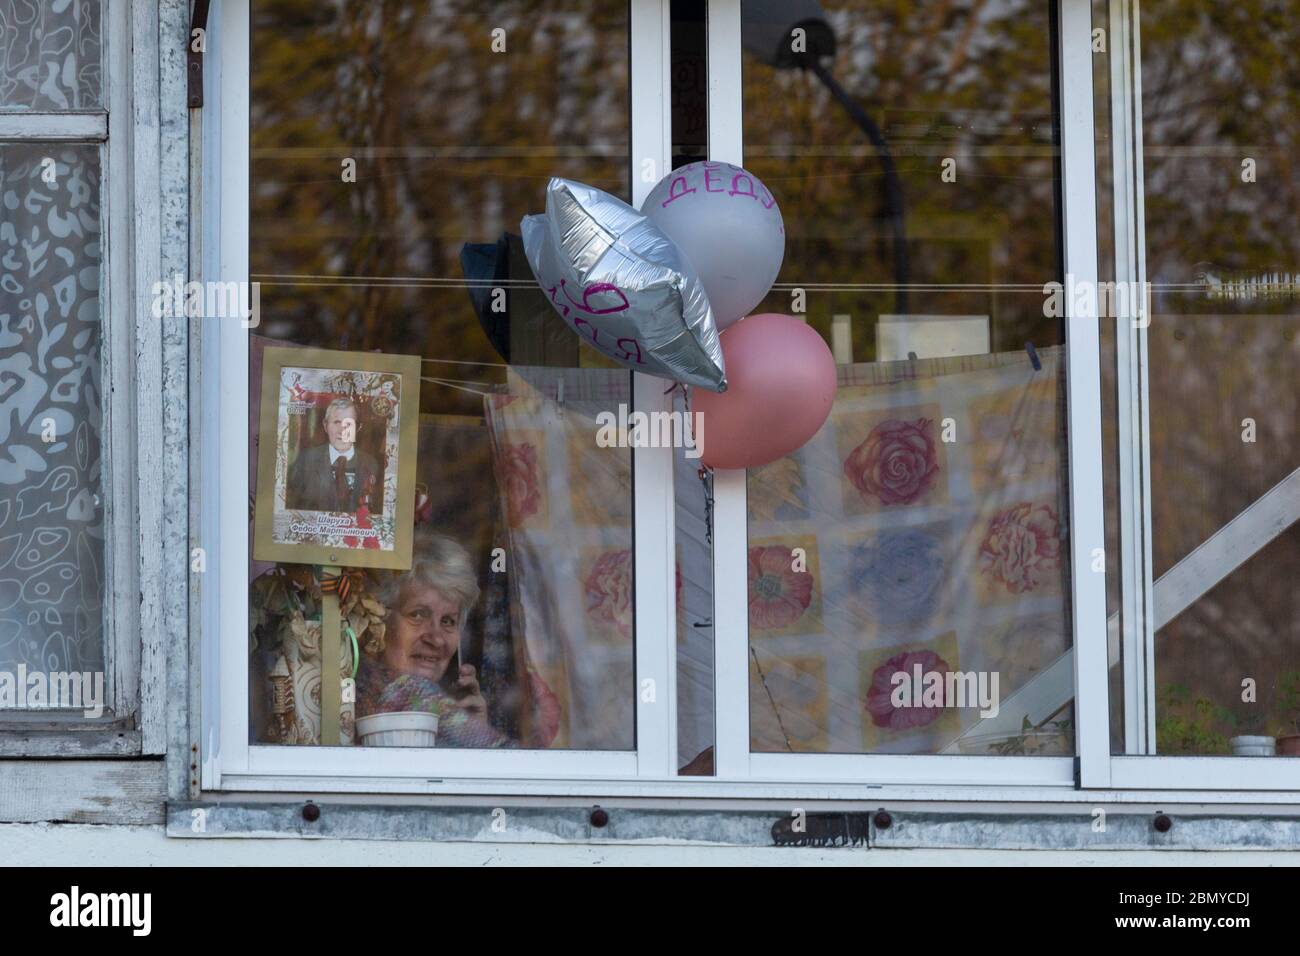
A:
(381, 690)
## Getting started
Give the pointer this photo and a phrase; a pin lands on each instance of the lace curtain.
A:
(50, 55)
(51, 524)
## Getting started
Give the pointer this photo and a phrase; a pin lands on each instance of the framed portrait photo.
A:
(336, 458)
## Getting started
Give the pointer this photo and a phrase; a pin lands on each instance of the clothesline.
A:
(451, 383)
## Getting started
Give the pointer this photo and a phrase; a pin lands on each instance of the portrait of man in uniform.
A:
(336, 449)
(336, 474)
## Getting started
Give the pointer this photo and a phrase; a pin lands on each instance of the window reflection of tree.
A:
(970, 81)
(453, 144)
(1220, 85)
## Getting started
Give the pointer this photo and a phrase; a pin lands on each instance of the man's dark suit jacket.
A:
(312, 486)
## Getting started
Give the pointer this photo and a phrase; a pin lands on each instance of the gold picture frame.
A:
(311, 510)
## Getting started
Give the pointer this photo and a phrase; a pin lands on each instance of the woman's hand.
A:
(469, 697)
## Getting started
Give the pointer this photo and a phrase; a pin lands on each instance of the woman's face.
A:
(424, 634)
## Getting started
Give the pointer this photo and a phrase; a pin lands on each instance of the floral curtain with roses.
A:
(568, 508)
(924, 525)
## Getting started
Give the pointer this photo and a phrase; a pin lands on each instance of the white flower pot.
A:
(1248, 746)
(407, 728)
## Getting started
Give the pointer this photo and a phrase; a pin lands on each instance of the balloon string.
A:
(776, 711)
(706, 479)
(705, 472)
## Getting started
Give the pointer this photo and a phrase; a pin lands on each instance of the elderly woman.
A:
(417, 667)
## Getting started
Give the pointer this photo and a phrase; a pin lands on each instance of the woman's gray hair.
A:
(438, 562)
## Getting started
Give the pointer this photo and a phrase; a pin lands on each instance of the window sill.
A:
(54, 740)
(858, 827)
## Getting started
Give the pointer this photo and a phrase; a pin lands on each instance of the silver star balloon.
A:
(623, 286)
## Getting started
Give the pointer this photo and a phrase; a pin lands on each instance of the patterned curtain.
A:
(928, 520)
(51, 524)
(567, 505)
(50, 55)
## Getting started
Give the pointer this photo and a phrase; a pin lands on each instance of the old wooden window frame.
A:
(126, 130)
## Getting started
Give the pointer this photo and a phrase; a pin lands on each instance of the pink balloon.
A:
(780, 386)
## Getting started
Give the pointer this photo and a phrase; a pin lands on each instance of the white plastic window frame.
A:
(734, 760)
(130, 725)
(1141, 766)
(230, 762)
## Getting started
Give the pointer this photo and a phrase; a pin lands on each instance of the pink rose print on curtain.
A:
(609, 591)
(778, 594)
(546, 711)
(881, 708)
(519, 470)
(896, 464)
(1022, 547)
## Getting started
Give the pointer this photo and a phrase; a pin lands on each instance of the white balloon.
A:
(728, 225)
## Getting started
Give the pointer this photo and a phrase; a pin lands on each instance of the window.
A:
(931, 511)
(70, 642)
(383, 238)
(1204, 196)
(421, 524)
(432, 174)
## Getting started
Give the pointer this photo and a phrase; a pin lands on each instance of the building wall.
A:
(45, 844)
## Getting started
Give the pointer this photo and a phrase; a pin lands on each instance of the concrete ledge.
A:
(42, 844)
(857, 830)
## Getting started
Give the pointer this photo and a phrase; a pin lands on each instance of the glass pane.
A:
(51, 400)
(1221, 129)
(395, 149)
(51, 56)
(1108, 95)
(908, 567)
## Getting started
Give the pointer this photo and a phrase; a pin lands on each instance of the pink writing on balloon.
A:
(674, 192)
(736, 191)
(594, 335)
(626, 353)
(715, 182)
(554, 292)
(600, 288)
(622, 351)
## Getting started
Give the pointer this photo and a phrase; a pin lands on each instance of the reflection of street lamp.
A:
(768, 31)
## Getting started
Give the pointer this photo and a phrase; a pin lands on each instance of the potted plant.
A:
(1250, 742)
(1049, 738)
(1288, 685)
(1189, 727)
